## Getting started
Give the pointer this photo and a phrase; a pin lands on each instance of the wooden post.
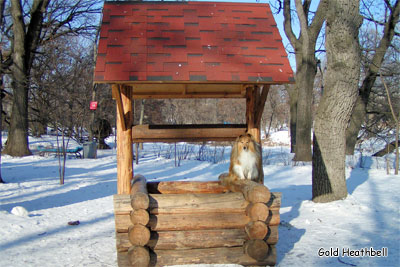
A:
(255, 102)
(123, 96)
(250, 113)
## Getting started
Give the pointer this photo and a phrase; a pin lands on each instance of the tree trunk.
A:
(356, 119)
(2, 5)
(1, 115)
(306, 68)
(292, 90)
(17, 143)
(305, 76)
(337, 102)
(25, 42)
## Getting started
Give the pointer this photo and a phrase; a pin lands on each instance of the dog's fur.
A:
(246, 160)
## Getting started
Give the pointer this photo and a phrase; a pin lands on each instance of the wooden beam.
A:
(116, 93)
(148, 133)
(184, 96)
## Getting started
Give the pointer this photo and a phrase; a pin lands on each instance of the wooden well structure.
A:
(189, 50)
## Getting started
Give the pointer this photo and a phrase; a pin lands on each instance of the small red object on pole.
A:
(93, 105)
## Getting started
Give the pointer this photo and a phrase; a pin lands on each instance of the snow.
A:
(368, 218)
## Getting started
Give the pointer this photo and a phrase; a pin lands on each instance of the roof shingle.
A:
(189, 42)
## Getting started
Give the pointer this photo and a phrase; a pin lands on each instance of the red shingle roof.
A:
(190, 41)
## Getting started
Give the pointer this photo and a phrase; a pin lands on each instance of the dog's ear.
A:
(249, 135)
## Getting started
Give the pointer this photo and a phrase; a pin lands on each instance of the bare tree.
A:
(2, 5)
(32, 24)
(306, 67)
(396, 119)
(338, 99)
(359, 112)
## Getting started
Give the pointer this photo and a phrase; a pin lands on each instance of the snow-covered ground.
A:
(368, 218)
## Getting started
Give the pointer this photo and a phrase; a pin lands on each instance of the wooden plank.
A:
(234, 255)
(179, 187)
(144, 133)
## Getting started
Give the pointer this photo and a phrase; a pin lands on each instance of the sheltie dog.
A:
(246, 160)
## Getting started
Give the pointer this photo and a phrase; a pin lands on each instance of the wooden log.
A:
(256, 230)
(179, 222)
(122, 223)
(122, 242)
(139, 235)
(257, 211)
(273, 218)
(139, 184)
(140, 200)
(252, 191)
(196, 239)
(213, 238)
(193, 221)
(139, 256)
(139, 194)
(233, 255)
(272, 235)
(274, 202)
(122, 203)
(179, 187)
(257, 249)
(123, 259)
(139, 216)
(197, 203)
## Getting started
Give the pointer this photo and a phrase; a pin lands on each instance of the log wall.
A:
(162, 224)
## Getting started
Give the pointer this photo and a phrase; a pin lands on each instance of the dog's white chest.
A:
(247, 169)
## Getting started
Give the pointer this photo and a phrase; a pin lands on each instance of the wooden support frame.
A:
(124, 94)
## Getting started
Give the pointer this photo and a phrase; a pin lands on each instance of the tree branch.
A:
(379, 55)
(287, 25)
